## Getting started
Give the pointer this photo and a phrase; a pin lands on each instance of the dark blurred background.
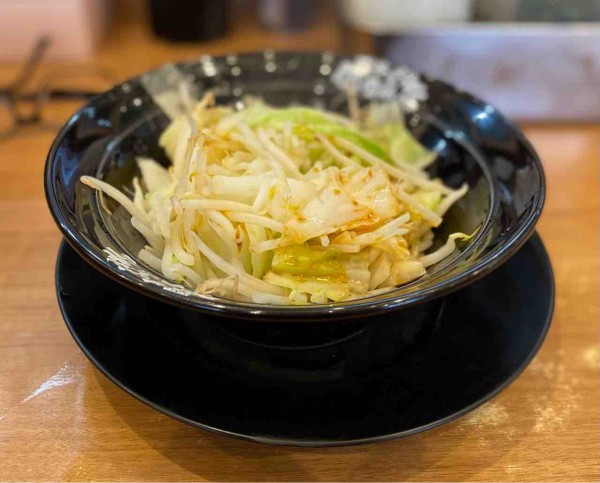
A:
(535, 59)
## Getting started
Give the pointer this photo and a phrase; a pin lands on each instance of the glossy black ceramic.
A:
(475, 144)
(365, 380)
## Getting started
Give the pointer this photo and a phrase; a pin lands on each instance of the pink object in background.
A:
(75, 27)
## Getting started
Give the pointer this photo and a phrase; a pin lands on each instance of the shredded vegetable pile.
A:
(288, 205)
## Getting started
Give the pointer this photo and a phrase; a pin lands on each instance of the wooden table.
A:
(60, 419)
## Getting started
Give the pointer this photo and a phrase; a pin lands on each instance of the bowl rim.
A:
(340, 310)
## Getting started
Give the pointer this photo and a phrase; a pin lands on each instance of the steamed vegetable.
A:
(288, 205)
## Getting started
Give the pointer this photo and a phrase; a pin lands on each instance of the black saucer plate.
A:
(181, 363)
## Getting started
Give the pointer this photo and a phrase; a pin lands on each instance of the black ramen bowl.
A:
(474, 142)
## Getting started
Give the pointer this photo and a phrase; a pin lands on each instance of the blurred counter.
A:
(60, 419)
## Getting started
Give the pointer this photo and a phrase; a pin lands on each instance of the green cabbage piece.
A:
(327, 272)
(300, 260)
(399, 142)
(429, 199)
(359, 139)
(335, 291)
(307, 120)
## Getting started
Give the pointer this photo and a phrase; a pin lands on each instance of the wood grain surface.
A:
(60, 419)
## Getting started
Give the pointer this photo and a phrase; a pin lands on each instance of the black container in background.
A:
(189, 20)
(287, 15)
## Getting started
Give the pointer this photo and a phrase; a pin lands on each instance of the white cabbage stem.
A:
(416, 205)
(413, 178)
(444, 251)
(335, 152)
(277, 153)
(263, 221)
(390, 229)
(218, 205)
(229, 269)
